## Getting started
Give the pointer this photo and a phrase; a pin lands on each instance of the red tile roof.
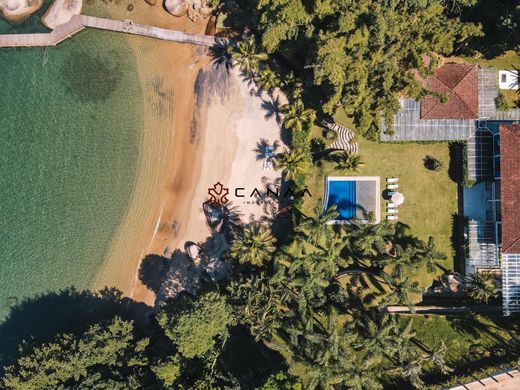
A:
(460, 83)
(510, 187)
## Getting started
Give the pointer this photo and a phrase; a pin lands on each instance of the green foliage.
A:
(347, 161)
(167, 371)
(293, 162)
(255, 246)
(296, 117)
(102, 355)
(501, 102)
(481, 287)
(360, 52)
(195, 329)
(281, 381)
(432, 164)
(247, 55)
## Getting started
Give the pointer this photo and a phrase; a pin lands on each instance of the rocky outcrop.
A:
(60, 12)
(17, 11)
(177, 7)
(194, 8)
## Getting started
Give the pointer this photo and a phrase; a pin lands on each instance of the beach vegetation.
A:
(296, 117)
(254, 246)
(247, 55)
(293, 162)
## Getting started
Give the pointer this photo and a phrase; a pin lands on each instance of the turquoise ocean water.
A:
(70, 125)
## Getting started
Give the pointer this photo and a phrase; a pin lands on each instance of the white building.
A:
(508, 79)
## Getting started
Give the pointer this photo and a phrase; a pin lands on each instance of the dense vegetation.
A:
(302, 308)
(358, 54)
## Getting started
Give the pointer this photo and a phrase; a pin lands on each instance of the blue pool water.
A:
(343, 195)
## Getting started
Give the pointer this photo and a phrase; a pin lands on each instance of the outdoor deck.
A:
(79, 22)
(408, 126)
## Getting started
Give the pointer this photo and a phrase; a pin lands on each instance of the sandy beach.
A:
(203, 125)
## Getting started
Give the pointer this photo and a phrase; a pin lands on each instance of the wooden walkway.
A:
(79, 22)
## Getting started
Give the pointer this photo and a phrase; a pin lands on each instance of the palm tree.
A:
(293, 85)
(481, 287)
(293, 162)
(316, 226)
(430, 255)
(296, 116)
(246, 55)
(255, 246)
(438, 358)
(348, 162)
(267, 80)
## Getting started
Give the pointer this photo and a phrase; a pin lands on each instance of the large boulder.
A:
(17, 11)
(60, 12)
(177, 7)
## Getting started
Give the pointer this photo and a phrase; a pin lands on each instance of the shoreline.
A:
(167, 72)
(214, 133)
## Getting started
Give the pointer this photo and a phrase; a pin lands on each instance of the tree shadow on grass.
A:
(66, 311)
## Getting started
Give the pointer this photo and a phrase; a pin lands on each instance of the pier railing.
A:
(79, 22)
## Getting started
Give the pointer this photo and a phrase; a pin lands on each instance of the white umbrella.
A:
(397, 198)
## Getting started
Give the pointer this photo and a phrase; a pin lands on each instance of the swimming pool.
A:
(343, 195)
(356, 197)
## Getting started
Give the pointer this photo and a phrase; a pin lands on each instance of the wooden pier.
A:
(79, 22)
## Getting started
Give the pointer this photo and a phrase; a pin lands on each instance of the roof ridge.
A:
(460, 81)
(437, 100)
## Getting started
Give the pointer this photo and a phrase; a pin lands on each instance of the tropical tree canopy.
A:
(196, 328)
(107, 355)
(360, 51)
(293, 162)
(254, 246)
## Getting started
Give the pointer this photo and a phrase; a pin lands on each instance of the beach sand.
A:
(202, 125)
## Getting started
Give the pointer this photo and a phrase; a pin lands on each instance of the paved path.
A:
(79, 22)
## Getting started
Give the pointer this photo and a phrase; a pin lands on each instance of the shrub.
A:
(501, 102)
(432, 164)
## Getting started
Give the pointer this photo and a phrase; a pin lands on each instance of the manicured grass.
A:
(430, 197)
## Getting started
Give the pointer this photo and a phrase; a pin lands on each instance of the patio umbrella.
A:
(397, 198)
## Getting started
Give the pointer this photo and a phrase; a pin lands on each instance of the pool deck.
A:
(367, 198)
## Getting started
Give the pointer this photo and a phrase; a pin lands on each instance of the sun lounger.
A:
(390, 205)
(392, 179)
(392, 186)
(392, 211)
(392, 217)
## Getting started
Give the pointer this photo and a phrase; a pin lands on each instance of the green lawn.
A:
(430, 197)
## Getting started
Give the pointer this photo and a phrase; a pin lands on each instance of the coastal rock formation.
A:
(60, 12)
(16, 11)
(194, 8)
(177, 7)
